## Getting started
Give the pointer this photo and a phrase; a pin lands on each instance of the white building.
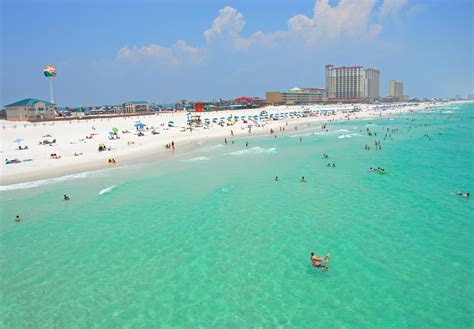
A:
(352, 83)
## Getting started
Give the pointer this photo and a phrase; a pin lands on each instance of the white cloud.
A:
(391, 7)
(355, 19)
(229, 23)
(176, 54)
(350, 18)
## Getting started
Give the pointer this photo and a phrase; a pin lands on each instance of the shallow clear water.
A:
(209, 239)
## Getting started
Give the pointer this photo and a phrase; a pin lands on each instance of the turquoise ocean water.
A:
(209, 239)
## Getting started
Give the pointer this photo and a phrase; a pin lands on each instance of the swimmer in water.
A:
(17, 218)
(66, 198)
(466, 195)
(276, 178)
(303, 180)
(316, 260)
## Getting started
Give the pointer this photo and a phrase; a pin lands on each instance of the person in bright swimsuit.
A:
(316, 260)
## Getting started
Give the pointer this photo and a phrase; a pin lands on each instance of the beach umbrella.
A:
(207, 119)
(243, 117)
(18, 140)
(222, 118)
(115, 130)
(171, 122)
(139, 124)
(189, 113)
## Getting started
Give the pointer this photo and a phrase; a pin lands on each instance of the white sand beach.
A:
(76, 142)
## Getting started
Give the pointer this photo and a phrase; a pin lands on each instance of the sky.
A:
(162, 51)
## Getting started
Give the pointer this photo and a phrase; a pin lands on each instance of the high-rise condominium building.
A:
(396, 89)
(352, 84)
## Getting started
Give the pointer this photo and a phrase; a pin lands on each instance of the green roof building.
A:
(30, 109)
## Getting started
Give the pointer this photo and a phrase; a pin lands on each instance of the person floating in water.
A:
(276, 178)
(316, 260)
(17, 218)
(66, 198)
(303, 180)
(466, 195)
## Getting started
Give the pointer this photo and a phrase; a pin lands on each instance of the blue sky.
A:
(161, 51)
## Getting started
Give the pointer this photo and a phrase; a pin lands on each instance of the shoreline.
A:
(148, 149)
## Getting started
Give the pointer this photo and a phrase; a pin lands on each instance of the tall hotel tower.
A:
(352, 83)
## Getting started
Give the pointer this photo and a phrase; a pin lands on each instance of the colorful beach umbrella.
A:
(115, 130)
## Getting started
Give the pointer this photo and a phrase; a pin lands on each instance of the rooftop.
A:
(28, 102)
(137, 102)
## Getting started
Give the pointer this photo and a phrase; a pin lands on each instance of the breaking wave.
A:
(107, 189)
(253, 150)
(38, 183)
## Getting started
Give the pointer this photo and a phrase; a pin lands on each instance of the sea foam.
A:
(107, 189)
(37, 183)
(252, 151)
(197, 159)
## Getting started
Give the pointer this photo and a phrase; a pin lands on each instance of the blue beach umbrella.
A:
(18, 140)
(139, 124)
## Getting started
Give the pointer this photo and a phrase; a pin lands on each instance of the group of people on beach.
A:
(170, 146)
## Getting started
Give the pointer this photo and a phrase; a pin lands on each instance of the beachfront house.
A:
(135, 107)
(30, 109)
